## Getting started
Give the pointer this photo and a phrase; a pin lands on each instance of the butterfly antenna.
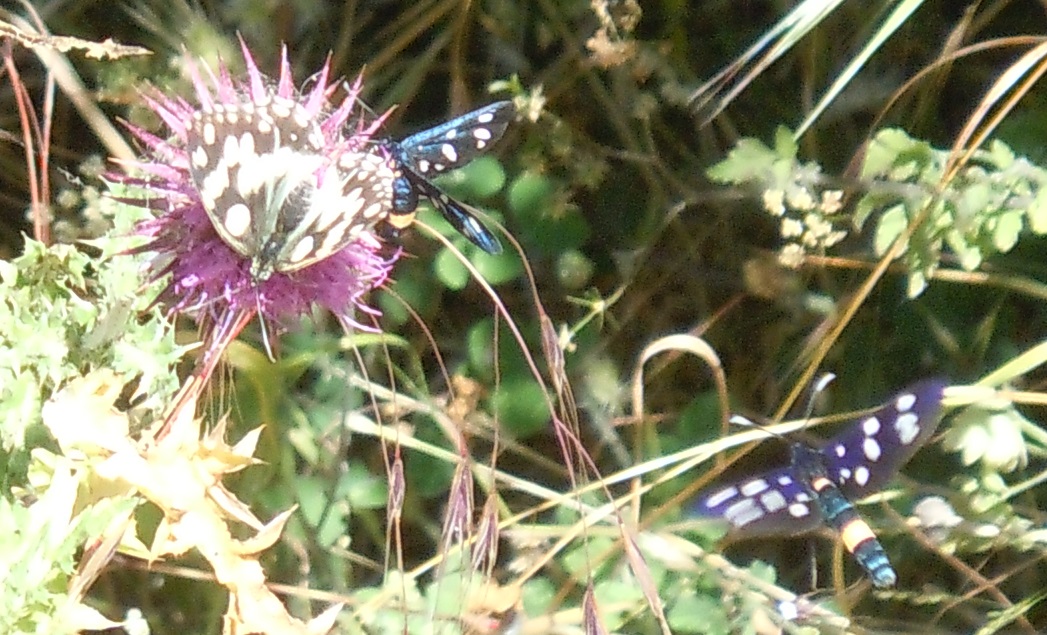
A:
(348, 88)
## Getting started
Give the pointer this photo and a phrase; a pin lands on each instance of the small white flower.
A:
(791, 228)
(832, 202)
(799, 198)
(774, 202)
(791, 256)
(989, 432)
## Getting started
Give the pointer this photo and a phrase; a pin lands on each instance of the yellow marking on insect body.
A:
(820, 483)
(854, 533)
(401, 221)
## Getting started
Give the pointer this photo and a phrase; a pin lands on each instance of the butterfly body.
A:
(817, 486)
(436, 150)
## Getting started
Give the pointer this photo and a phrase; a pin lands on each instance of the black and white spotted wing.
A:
(272, 193)
(453, 144)
(858, 461)
(445, 147)
(866, 456)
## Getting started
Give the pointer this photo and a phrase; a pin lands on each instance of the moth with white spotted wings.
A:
(817, 486)
(441, 148)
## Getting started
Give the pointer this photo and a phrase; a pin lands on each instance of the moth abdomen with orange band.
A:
(838, 512)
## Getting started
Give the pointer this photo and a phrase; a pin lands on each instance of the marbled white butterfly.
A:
(270, 191)
(439, 149)
(819, 483)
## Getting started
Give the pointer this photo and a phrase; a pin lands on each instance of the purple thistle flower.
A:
(266, 197)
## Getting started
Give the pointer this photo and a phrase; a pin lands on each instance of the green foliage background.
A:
(635, 221)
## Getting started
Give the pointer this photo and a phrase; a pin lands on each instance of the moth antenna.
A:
(746, 422)
(742, 420)
(817, 389)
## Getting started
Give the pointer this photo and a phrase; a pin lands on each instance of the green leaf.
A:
(38, 545)
(312, 497)
(1000, 155)
(530, 197)
(498, 269)
(693, 613)
(547, 227)
(973, 200)
(763, 571)
(968, 253)
(413, 288)
(56, 325)
(479, 346)
(892, 224)
(362, 488)
(574, 270)
(450, 270)
(522, 408)
(749, 160)
(1008, 229)
(917, 282)
(481, 178)
(428, 476)
(578, 562)
(785, 143)
(895, 155)
(1038, 212)
(539, 594)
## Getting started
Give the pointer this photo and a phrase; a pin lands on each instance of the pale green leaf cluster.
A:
(38, 547)
(807, 212)
(64, 313)
(979, 212)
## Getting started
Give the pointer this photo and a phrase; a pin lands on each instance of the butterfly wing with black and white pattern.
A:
(271, 192)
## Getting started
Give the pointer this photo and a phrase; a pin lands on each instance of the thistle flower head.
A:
(266, 196)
